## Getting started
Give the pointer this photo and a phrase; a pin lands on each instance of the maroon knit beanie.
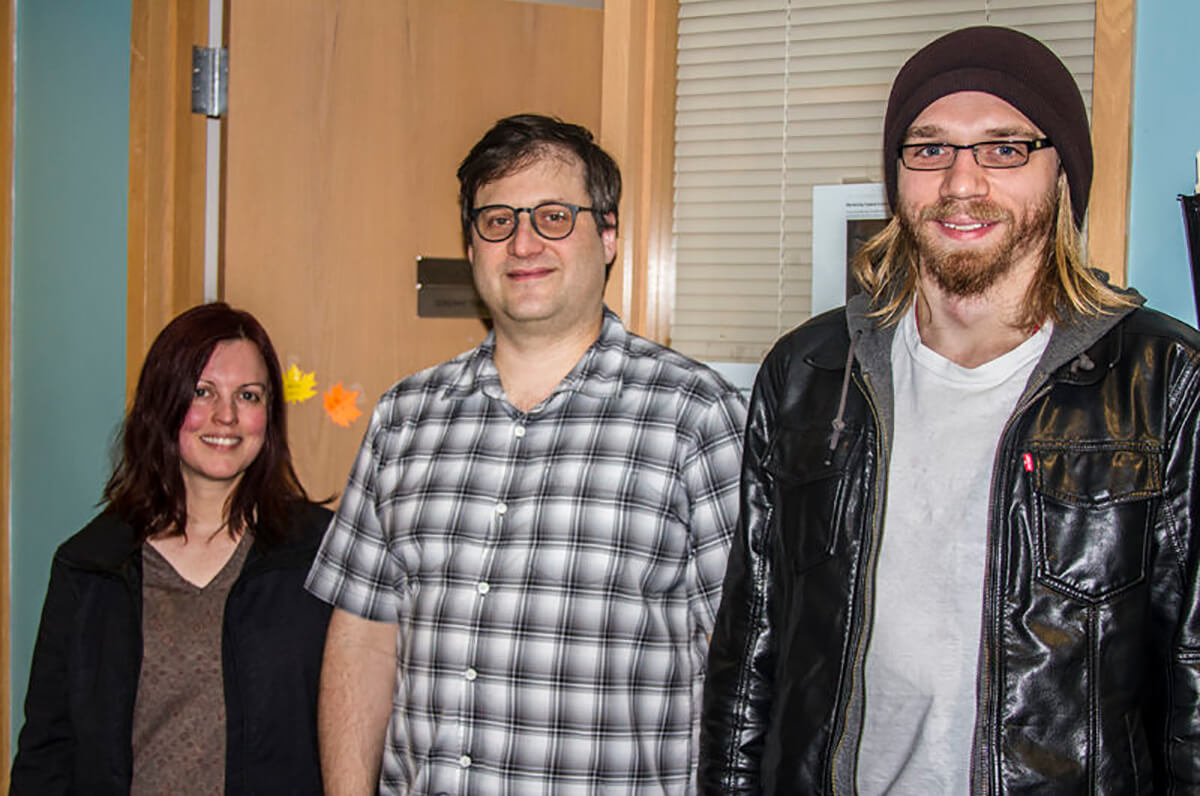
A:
(1010, 65)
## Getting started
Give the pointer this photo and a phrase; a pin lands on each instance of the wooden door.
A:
(347, 120)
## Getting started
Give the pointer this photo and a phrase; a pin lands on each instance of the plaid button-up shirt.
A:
(554, 574)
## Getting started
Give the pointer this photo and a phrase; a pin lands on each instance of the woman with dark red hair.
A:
(178, 651)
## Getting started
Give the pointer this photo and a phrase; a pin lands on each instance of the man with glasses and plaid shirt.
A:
(968, 558)
(527, 559)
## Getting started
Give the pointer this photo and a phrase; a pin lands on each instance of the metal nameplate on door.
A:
(445, 289)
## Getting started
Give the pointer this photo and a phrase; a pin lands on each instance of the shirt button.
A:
(519, 432)
(501, 508)
(483, 587)
(470, 674)
(465, 761)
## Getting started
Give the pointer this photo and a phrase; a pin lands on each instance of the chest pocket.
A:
(812, 491)
(1094, 509)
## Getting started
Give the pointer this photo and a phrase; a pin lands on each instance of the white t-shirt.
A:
(924, 645)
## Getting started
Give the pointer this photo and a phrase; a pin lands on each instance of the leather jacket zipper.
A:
(858, 660)
(983, 775)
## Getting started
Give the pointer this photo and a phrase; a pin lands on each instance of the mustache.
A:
(977, 209)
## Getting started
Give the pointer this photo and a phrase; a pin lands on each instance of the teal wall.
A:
(68, 289)
(1166, 135)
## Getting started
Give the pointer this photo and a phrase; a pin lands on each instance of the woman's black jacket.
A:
(86, 661)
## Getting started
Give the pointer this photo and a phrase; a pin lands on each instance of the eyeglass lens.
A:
(551, 220)
(989, 154)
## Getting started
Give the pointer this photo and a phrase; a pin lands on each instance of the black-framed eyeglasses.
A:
(551, 220)
(938, 156)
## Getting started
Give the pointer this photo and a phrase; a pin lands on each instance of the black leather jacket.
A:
(78, 731)
(1089, 671)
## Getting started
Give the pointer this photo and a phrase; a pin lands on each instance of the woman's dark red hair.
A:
(146, 488)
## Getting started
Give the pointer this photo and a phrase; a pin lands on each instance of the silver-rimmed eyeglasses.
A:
(551, 220)
(937, 156)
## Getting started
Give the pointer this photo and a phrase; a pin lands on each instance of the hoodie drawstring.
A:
(1082, 363)
(839, 424)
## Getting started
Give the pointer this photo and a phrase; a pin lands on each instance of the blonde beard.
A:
(971, 273)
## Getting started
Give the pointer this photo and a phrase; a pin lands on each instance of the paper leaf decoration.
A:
(298, 386)
(341, 405)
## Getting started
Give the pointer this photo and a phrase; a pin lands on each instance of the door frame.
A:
(1112, 129)
(637, 111)
(167, 178)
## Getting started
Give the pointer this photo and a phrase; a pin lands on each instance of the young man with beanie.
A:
(967, 558)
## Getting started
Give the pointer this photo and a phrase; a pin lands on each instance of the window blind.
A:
(774, 97)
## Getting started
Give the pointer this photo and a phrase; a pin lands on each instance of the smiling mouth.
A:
(966, 227)
(529, 273)
(221, 442)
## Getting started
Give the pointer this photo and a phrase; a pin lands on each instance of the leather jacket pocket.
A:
(810, 491)
(1093, 511)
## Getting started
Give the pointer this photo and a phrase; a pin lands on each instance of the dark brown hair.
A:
(146, 488)
(516, 141)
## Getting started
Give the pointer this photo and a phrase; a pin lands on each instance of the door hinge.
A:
(210, 81)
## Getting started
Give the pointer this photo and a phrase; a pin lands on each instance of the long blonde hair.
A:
(886, 268)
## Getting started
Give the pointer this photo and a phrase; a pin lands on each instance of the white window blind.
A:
(774, 97)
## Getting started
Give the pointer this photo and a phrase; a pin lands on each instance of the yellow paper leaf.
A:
(341, 405)
(298, 386)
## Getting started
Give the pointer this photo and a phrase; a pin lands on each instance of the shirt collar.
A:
(597, 374)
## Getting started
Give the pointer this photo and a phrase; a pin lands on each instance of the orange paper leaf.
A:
(342, 405)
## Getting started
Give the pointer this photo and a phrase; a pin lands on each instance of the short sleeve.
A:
(354, 569)
(711, 475)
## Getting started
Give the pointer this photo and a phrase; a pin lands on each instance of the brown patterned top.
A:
(179, 715)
